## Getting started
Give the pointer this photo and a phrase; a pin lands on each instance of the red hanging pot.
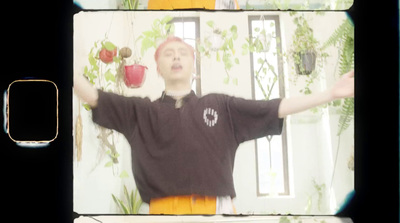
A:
(135, 75)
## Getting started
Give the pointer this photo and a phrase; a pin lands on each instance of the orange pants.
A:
(187, 204)
(182, 4)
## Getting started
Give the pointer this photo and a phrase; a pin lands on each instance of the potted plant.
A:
(216, 40)
(103, 60)
(107, 52)
(308, 57)
(221, 42)
(133, 75)
(304, 47)
(260, 42)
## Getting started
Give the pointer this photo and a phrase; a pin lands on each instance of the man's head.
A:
(175, 60)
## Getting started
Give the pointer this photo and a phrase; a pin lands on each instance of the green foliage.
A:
(108, 45)
(93, 71)
(131, 203)
(343, 39)
(161, 29)
(227, 49)
(346, 115)
(260, 42)
(284, 219)
(113, 154)
(303, 38)
(130, 4)
(319, 190)
(305, 51)
(103, 76)
(305, 47)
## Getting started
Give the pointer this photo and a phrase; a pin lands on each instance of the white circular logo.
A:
(210, 117)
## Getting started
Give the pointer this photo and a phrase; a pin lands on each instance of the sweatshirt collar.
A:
(168, 99)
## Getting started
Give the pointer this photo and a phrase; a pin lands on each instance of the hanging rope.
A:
(109, 27)
(78, 133)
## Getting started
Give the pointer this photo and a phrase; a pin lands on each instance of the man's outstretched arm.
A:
(85, 90)
(343, 88)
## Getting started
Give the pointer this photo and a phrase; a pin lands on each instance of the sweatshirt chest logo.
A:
(210, 117)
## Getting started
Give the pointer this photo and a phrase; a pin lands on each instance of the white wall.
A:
(312, 146)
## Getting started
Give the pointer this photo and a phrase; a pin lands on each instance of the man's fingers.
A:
(349, 74)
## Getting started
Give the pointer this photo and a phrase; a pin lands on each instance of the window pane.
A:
(190, 30)
(178, 29)
(270, 161)
(270, 164)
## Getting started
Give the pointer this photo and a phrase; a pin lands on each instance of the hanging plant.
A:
(160, 30)
(305, 52)
(216, 40)
(221, 42)
(107, 52)
(260, 43)
(304, 47)
(102, 72)
(133, 75)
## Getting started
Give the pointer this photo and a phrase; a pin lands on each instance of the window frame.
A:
(286, 183)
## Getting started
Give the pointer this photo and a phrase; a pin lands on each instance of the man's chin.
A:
(178, 78)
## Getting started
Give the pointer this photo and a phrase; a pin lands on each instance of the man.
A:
(183, 146)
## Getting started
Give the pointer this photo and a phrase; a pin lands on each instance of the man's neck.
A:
(177, 91)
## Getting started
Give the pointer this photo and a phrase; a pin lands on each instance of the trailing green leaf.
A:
(86, 106)
(108, 164)
(346, 115)
(160, 29)
(225, 52)
(109, 45)
(346, 60)
(124, 174)
(109, 76)
(166, 19)
(343, 31)
(343, 38)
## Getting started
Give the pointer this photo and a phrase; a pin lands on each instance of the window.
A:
(268, 83)
(188, 29)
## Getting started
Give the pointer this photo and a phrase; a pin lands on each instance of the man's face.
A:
(175, 62)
